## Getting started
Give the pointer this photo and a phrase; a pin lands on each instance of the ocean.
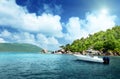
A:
(53, 66)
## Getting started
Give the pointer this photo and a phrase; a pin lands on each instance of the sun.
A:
(104, 11)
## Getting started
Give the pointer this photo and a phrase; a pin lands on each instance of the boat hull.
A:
(89, 58)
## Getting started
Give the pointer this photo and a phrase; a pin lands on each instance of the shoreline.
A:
(92, 52)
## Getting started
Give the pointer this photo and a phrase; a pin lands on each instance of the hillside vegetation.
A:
(108, 41)
(17, 47)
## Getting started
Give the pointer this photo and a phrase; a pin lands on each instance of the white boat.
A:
(89, 58)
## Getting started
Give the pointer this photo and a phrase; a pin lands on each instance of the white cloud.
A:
(22, 37)
(74, 29)
(5, 33)
(47, 42)
(56, 9)
(46, 24)
(47, 9)
(10, 13)
(95, 22)
(17, 17)
(40, 40)
(2, 40)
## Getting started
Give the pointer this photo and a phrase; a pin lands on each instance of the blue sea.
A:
(53, 66)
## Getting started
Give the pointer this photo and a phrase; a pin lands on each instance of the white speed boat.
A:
(89, 58)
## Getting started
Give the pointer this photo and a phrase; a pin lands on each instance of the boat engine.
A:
(106, 60)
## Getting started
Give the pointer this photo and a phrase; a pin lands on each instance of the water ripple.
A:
(42, 66)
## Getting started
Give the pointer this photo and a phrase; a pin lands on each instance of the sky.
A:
(52, 23)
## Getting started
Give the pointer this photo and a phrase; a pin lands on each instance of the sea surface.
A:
(53, 66)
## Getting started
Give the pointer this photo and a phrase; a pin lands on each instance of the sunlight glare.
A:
(104, 11)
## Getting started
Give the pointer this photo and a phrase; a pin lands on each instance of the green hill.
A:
(108, 41)
(19, 47)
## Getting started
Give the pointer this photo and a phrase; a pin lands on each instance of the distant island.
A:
(19, 47)
(103, 42)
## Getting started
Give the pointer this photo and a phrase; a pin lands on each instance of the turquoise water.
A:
(51, 66)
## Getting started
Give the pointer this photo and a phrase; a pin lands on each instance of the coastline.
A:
(94, 53)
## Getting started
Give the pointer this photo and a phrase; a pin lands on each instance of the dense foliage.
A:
(101, 41)
(17, 47)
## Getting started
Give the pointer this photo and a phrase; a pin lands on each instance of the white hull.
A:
(89, 58)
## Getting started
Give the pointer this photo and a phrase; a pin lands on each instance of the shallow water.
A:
(51, 66)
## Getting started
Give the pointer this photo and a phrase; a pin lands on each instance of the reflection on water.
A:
(50, 66)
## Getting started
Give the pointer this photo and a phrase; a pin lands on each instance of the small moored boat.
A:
(89, 58)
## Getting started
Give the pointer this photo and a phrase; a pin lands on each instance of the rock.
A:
(44, 51)
(84, 52)
(109, 53)
(59, 53)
